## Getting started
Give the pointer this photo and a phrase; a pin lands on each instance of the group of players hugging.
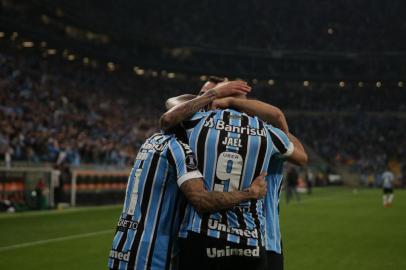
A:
(204, 193)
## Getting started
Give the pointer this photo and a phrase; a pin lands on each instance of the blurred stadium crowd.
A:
(323, 25)
(336, 73)
(54, 112)
(57, 112)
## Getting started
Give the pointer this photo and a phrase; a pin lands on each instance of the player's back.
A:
(388, 179)
(150, 218)
(232, 148)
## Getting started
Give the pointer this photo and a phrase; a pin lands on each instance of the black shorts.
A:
(387, 190)
(274, 261)
(200, 252)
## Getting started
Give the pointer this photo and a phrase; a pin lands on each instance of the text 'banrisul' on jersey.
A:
(232, 148)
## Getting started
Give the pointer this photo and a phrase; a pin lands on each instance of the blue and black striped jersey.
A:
(148, 226)
(232, 148)
(272, 232)
(274, 179)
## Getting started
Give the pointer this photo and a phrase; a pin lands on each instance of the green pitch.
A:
(331, 229)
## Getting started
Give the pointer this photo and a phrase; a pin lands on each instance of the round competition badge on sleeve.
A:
(191, 162)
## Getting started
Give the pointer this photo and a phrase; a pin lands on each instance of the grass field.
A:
(335, 228)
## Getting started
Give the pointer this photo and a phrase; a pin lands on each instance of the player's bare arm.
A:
(299, 155)
(182, 111)
(205, 201)
(263, 110)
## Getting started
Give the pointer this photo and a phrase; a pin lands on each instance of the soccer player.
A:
(272, 114)
(292, 178)
(147, 230)
(387, 185)
(230, 146)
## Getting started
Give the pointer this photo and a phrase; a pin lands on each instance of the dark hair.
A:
(212, 79)
(215, 79)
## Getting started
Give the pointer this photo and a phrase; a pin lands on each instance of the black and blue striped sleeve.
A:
(283, 146)
(183, 160)
(192, 121)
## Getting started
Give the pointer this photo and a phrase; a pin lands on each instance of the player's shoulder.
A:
(274, 131)
(233, 112)
(200, 114)
(175, 142)
(216, 113)
(158, 142)
(159, 137)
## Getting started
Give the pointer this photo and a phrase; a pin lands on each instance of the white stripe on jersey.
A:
(134, 192)
(155, 217)
(147, 210)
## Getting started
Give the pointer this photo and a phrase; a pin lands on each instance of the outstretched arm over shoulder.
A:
(211, 201)
(264, 111)
(182, 111)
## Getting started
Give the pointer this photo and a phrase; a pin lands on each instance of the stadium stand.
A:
(342, 94)
(44, 115)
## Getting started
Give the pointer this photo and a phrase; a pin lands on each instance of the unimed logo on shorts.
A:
(122, 256)
(245, 252)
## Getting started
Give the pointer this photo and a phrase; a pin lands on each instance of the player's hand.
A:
(222, 103)
(258, 188)
(231, 88)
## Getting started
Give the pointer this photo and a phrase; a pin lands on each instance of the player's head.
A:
(211, 83)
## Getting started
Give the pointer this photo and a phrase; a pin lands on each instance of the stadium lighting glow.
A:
(89, 35)
(378, 84)
(306, 83)
(14, 35)
(400, 84)
(171, 75)
(45, 19)
(140, 71)
(330, 31)
(59, 12)
(203, 78)
(341, 84)
(271, 82)
(43, 44)
(71, 57)
(51, 51)
(86, 60)
(154, 73)
(2, 34)
(164, 72)
(111, 66)
(28, 44)
(360, 84)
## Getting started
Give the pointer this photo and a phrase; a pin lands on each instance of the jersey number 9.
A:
(228, 171)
